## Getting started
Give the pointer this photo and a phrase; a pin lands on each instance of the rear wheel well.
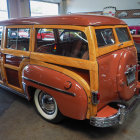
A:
(31, 91)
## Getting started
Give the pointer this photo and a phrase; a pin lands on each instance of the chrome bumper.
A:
(116, 119)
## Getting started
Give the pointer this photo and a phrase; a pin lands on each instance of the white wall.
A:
(18, 8)
(74, 6)
(21, 8)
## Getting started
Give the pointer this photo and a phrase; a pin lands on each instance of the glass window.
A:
(45, 41)
(104, 37)
(18, 39)
(70, 43)
(1, 29)
(42, 8)
(123, 34)
(138, 32)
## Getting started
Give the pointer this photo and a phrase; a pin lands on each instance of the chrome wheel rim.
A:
(47, 103)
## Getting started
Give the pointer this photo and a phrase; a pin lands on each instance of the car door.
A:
(15, 53)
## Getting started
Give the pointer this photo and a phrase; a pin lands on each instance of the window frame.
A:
(68, 27)
(127, 32)
(19, 27)
(17, 37)
(61, 60)
(107, 44)
(104, 50)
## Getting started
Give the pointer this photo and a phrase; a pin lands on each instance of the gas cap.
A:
(67, 85)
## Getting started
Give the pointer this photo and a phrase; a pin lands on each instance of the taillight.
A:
(95, 97)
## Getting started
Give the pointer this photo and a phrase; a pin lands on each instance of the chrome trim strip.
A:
(14, 91)
(50, 87)
(116, 119)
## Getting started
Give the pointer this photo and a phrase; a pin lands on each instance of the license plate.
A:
(131, 78)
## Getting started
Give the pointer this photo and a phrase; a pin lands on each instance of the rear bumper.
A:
(118, 118)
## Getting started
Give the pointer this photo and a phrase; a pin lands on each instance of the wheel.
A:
(47, 107)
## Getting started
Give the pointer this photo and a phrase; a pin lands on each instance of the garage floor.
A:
(19, 121)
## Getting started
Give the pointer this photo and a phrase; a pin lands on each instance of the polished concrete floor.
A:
(20, 121)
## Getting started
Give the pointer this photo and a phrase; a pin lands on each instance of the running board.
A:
(14, 91)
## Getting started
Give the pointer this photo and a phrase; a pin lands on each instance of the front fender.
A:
(68, 93)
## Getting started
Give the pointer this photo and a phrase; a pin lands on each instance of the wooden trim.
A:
(106, 49)
(19, 26)
(61, 60)
(19, 53)
(91, 43)
(11, 67)
(81, 28)
(15, 88)
(33, 39)
(4, 71)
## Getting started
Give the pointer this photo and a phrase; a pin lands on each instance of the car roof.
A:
(78, 20)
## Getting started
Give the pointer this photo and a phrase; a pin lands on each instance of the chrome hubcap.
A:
(47, 103)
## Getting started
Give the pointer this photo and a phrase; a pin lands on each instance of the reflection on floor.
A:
(19, 121)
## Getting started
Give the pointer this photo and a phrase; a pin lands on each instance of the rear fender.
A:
(68, 93)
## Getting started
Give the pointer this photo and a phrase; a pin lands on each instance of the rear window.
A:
(105, 37)
(123, 34)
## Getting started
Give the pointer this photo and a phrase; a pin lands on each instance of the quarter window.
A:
(18, 39)
(123, 34)
(104, 37)
(63, 42)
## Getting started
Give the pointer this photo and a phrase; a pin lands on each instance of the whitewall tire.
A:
(47, 107)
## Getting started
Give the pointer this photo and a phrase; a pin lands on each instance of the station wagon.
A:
(78, 66)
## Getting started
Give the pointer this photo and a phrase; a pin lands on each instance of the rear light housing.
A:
(95, 97)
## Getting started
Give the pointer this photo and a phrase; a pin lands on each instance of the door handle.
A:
(120, 45)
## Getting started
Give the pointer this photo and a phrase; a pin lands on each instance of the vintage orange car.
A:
(87, 69)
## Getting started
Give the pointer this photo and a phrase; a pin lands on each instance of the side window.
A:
(45, 41)
(1, 29)
(138, 32)
(123, 34)
(18, 38)
(73, 43)
(104, 37)
(63, 42)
